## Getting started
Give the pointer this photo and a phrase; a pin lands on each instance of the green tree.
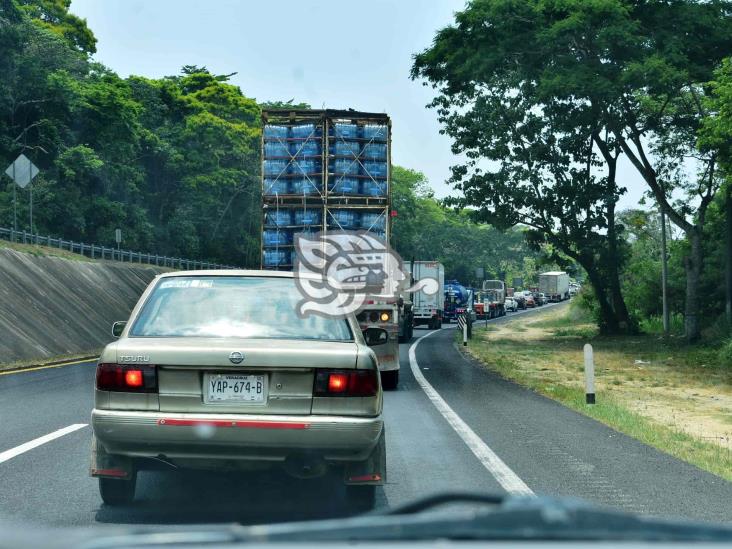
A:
(55, 16)
(427, 230)
(623, 75)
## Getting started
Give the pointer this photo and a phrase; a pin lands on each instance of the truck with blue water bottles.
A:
(330, 170)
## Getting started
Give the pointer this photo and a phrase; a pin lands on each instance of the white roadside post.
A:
(462, 322)
(589, 375)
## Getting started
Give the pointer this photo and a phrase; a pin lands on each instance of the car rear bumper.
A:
(234, 436)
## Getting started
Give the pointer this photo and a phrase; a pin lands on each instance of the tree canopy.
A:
(531, 91)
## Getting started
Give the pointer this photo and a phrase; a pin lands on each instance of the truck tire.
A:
(390, 379)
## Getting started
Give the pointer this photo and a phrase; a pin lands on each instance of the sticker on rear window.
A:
(186, 283)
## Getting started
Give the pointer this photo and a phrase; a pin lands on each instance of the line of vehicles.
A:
(493, 299)
(217, 370)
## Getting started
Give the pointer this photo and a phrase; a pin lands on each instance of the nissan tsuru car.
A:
(216, 370)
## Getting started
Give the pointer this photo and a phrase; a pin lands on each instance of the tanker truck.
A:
(458, 300)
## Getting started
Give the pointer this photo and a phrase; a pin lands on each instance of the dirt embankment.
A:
(51, 307)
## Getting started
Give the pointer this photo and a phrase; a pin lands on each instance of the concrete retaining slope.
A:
(51, 306)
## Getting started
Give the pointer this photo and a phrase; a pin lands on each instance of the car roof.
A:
(238, 272)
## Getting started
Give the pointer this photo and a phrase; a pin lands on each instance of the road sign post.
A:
(22, 171)
(118, 240)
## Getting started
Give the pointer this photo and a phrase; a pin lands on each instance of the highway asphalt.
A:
(456, 426)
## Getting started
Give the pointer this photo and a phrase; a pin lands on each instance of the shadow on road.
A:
(195, 497)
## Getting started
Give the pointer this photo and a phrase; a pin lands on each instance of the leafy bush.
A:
(725, 353)
(654, 324)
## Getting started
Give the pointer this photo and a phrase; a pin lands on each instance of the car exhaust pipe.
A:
(304, 466)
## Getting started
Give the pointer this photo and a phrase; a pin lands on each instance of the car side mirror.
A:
(118, 327)
(375, 336)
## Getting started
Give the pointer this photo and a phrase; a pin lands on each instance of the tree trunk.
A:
(613, 269)
(693, 268)
(609, 324)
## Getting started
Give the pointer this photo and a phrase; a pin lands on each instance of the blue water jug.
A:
(375, 188)
(305, 186)
(374, 132)
(374, 151)
(276, 237)
(305, 166)
(373, 221)
(350, 149)
(305, 131)
(343, 185)
(275, 258)
(346, 131)
(305, 148)
(274, 131)
(308, 217)
(341, 166)
(374, 169)
(278, 218)
(274, 187)
(343, 219)
(276, 148)
(275, 167)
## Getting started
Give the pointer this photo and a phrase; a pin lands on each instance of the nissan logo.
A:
(236, 357)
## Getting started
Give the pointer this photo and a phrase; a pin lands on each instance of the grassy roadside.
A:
(43, 251)
(673, 397)
(48, 362)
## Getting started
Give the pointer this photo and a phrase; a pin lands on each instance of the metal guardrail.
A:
(95, 251)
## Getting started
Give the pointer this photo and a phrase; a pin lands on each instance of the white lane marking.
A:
(495, 466)
(13, 452)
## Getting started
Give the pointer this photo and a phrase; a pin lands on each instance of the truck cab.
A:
(384, 314)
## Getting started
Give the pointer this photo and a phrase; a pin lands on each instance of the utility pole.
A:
(15, 202)
(728, 285)
(664, 275)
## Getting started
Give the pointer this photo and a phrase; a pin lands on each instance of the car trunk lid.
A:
(190, 368)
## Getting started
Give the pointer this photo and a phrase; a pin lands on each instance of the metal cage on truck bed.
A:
(322, 170)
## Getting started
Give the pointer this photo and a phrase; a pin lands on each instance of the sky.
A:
(328, 53)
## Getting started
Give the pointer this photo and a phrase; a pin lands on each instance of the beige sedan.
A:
(215, 370)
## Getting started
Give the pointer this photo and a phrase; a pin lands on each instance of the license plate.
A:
(234, 388)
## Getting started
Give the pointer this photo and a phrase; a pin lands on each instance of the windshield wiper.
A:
(500, 518)
(430, 502)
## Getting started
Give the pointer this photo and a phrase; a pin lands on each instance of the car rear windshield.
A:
(227, 306)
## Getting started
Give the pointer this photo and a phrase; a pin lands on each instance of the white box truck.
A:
(428, 309)
(554, 285)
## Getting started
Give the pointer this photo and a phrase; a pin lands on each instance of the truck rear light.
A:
(348, 383)
(130, 378)
(385, 316)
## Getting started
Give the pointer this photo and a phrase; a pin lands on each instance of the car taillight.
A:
(130, 378)
(346, 383)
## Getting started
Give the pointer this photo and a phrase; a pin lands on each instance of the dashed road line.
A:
(35, 443)
(509, 480)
